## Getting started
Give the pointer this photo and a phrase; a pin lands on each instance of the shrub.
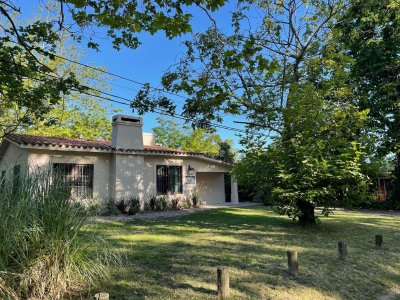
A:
(45, 251)
(175, 203)
(188, 202)
(122, 206)
(162, 203)
(134, 206)
(109, 209)
(152, 202)
(128, 206)
(195, 199)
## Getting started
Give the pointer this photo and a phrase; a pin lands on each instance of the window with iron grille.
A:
(79, 178)
(169, 179)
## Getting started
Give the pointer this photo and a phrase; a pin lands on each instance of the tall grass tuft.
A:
(45, 251)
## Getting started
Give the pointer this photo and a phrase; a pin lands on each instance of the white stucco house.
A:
(131, 164)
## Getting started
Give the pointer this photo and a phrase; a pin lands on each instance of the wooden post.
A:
(378, 240)
(293, 263)
(342, 250)
(223, 283)
(102, 296)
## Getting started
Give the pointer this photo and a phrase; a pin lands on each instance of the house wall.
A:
(13, 155)
(127, 176)
(44, 159)
(214, 170)
(120, 176)
(211, 187)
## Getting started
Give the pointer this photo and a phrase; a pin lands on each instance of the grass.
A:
(176, 258)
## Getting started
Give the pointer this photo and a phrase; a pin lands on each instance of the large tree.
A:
(260, 69)
(371, 33)
(24, 48)
(77, 115)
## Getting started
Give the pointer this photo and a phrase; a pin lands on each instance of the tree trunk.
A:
(307, 216)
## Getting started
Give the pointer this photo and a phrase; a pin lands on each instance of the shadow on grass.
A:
(177, 258)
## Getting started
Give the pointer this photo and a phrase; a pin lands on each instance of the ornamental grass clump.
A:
(45, 250)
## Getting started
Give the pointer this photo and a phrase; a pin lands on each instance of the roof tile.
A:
(80, 143)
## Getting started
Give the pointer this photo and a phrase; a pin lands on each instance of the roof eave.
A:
(72, 148)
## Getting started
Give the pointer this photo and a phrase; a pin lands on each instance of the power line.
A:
(114, 74)
(123, 98)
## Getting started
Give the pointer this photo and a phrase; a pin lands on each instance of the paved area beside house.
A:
(151, 215)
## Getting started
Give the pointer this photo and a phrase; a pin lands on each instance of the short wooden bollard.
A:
(378, 240)
(293, 263)
(342, 250)
(223, 283)
(102, 296)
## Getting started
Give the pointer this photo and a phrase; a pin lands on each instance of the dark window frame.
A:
(78, 177)
(169, 179)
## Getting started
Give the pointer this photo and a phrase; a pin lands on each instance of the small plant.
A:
(128, 206)
(188, 202)
(122, 206)
(195, 199)
(158, 203)
(134, 205)
(162, 203)
(109, 209)
(175, 203)
(152, 202)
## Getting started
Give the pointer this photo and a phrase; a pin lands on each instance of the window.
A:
(77, 177)
(169, 179)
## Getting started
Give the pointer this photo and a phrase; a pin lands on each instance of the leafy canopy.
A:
(26, 48)
(175, 135)
(287, 75)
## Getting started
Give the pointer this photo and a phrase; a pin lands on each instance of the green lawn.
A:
(177, 258)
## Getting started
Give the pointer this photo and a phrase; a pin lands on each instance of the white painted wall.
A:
(101, 164)
(13, 155)
(211, 187)
(127, 176)
(149, 139)
(215, 190)
(118, 176)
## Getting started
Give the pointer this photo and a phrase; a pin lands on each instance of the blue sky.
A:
(147, 63)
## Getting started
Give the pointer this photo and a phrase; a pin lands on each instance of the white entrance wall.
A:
(210, 186)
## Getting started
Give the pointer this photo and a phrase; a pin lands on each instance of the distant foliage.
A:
(175, 135)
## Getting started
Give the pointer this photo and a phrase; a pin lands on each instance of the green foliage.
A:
(45, 250)
(321, 163)
(195, 199)
(129, 206)
(292, 83)
(371, 31)
(256, 172)
(30, 87)
(226, 152)
(175, 135)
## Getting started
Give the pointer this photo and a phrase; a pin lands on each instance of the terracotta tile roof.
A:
(25, 139)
